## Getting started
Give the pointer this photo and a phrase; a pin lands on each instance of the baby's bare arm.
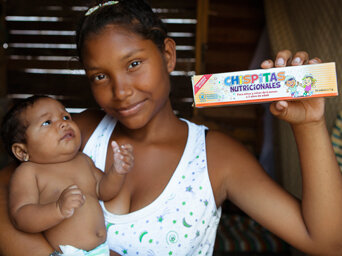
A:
(111, 181)
(27, 213)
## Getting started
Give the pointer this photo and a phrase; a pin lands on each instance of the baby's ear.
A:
(19, 150)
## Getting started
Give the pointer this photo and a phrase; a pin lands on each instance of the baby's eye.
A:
(47, 122)
(66, 117)
(134, 64)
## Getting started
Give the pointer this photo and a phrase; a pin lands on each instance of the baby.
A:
(56, 188)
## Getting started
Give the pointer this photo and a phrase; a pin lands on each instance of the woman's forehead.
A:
(114, 42)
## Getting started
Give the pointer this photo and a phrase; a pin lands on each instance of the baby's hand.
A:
(70, 199)
(123, 158)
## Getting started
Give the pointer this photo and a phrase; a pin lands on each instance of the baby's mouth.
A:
(68, 135)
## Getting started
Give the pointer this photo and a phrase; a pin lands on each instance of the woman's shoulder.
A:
(224, 146)
(87, 121)
(228, 161)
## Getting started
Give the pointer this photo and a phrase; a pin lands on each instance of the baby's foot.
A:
(123, 157)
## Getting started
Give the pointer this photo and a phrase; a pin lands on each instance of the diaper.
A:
(101, 250)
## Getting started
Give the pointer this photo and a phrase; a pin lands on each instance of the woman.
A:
(170, 202)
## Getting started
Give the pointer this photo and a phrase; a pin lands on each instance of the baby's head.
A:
(134, 15)
(40, 130)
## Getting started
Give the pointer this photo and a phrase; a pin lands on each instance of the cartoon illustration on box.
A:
(292, 86)
(262, 85)
(308, 82)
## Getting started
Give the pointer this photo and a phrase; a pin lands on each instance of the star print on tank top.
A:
(182, 220)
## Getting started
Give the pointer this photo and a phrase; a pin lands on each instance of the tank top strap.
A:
(97, 144)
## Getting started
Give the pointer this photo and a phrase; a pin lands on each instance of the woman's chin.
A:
(132, 124)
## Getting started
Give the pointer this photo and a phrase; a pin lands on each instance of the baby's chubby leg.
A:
(123, 157)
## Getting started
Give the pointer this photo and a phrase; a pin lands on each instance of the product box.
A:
(261, 85)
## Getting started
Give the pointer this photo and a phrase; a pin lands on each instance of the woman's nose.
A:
(121, 89)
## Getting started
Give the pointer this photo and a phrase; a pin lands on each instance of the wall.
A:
(314, 26)
(234, 29)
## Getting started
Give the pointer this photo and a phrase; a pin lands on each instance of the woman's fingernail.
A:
(282, 104)
(296, 60)
(280, 62)
(313, 61)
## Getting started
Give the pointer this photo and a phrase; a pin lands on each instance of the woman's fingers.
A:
(285, 58)
(267, 64)
(300, 58)
(315, 61)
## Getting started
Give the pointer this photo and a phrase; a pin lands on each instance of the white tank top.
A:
(182, 220)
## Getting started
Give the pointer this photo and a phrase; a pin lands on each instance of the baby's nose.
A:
(63, 124)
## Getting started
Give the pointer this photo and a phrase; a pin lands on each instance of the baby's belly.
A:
(84, 230)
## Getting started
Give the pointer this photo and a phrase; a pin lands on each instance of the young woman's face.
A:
(129, 76)
(51, 135)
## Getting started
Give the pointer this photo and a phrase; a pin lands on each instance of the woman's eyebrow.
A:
(132, 53)
(123, 58)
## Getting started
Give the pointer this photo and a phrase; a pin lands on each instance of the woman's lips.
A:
(131, 110)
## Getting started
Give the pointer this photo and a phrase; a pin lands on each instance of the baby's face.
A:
(51, 135)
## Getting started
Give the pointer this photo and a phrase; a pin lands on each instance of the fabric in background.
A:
(314, 26)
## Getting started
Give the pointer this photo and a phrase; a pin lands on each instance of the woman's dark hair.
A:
(13, 127)
(135, 15)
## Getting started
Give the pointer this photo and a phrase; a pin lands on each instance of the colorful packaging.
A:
(261, 85)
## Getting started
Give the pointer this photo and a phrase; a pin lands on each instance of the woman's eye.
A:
(99, 77)
(134, 64)
(66, 117)
(48, 122)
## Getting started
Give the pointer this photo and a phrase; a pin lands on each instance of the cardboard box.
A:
(262, 85)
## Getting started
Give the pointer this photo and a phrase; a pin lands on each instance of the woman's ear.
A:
(19, 150)
(170, 54)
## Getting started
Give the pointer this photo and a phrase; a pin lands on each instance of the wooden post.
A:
(201, 38)
(3, 84)
(201, 34)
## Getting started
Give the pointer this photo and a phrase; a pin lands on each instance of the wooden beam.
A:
(201, 34)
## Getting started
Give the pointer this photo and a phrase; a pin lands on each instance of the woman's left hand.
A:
(297, 111)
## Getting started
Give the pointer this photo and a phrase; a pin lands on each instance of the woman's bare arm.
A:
(312, 225)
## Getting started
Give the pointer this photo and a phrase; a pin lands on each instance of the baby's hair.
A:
(135, 15)
(13, 127)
